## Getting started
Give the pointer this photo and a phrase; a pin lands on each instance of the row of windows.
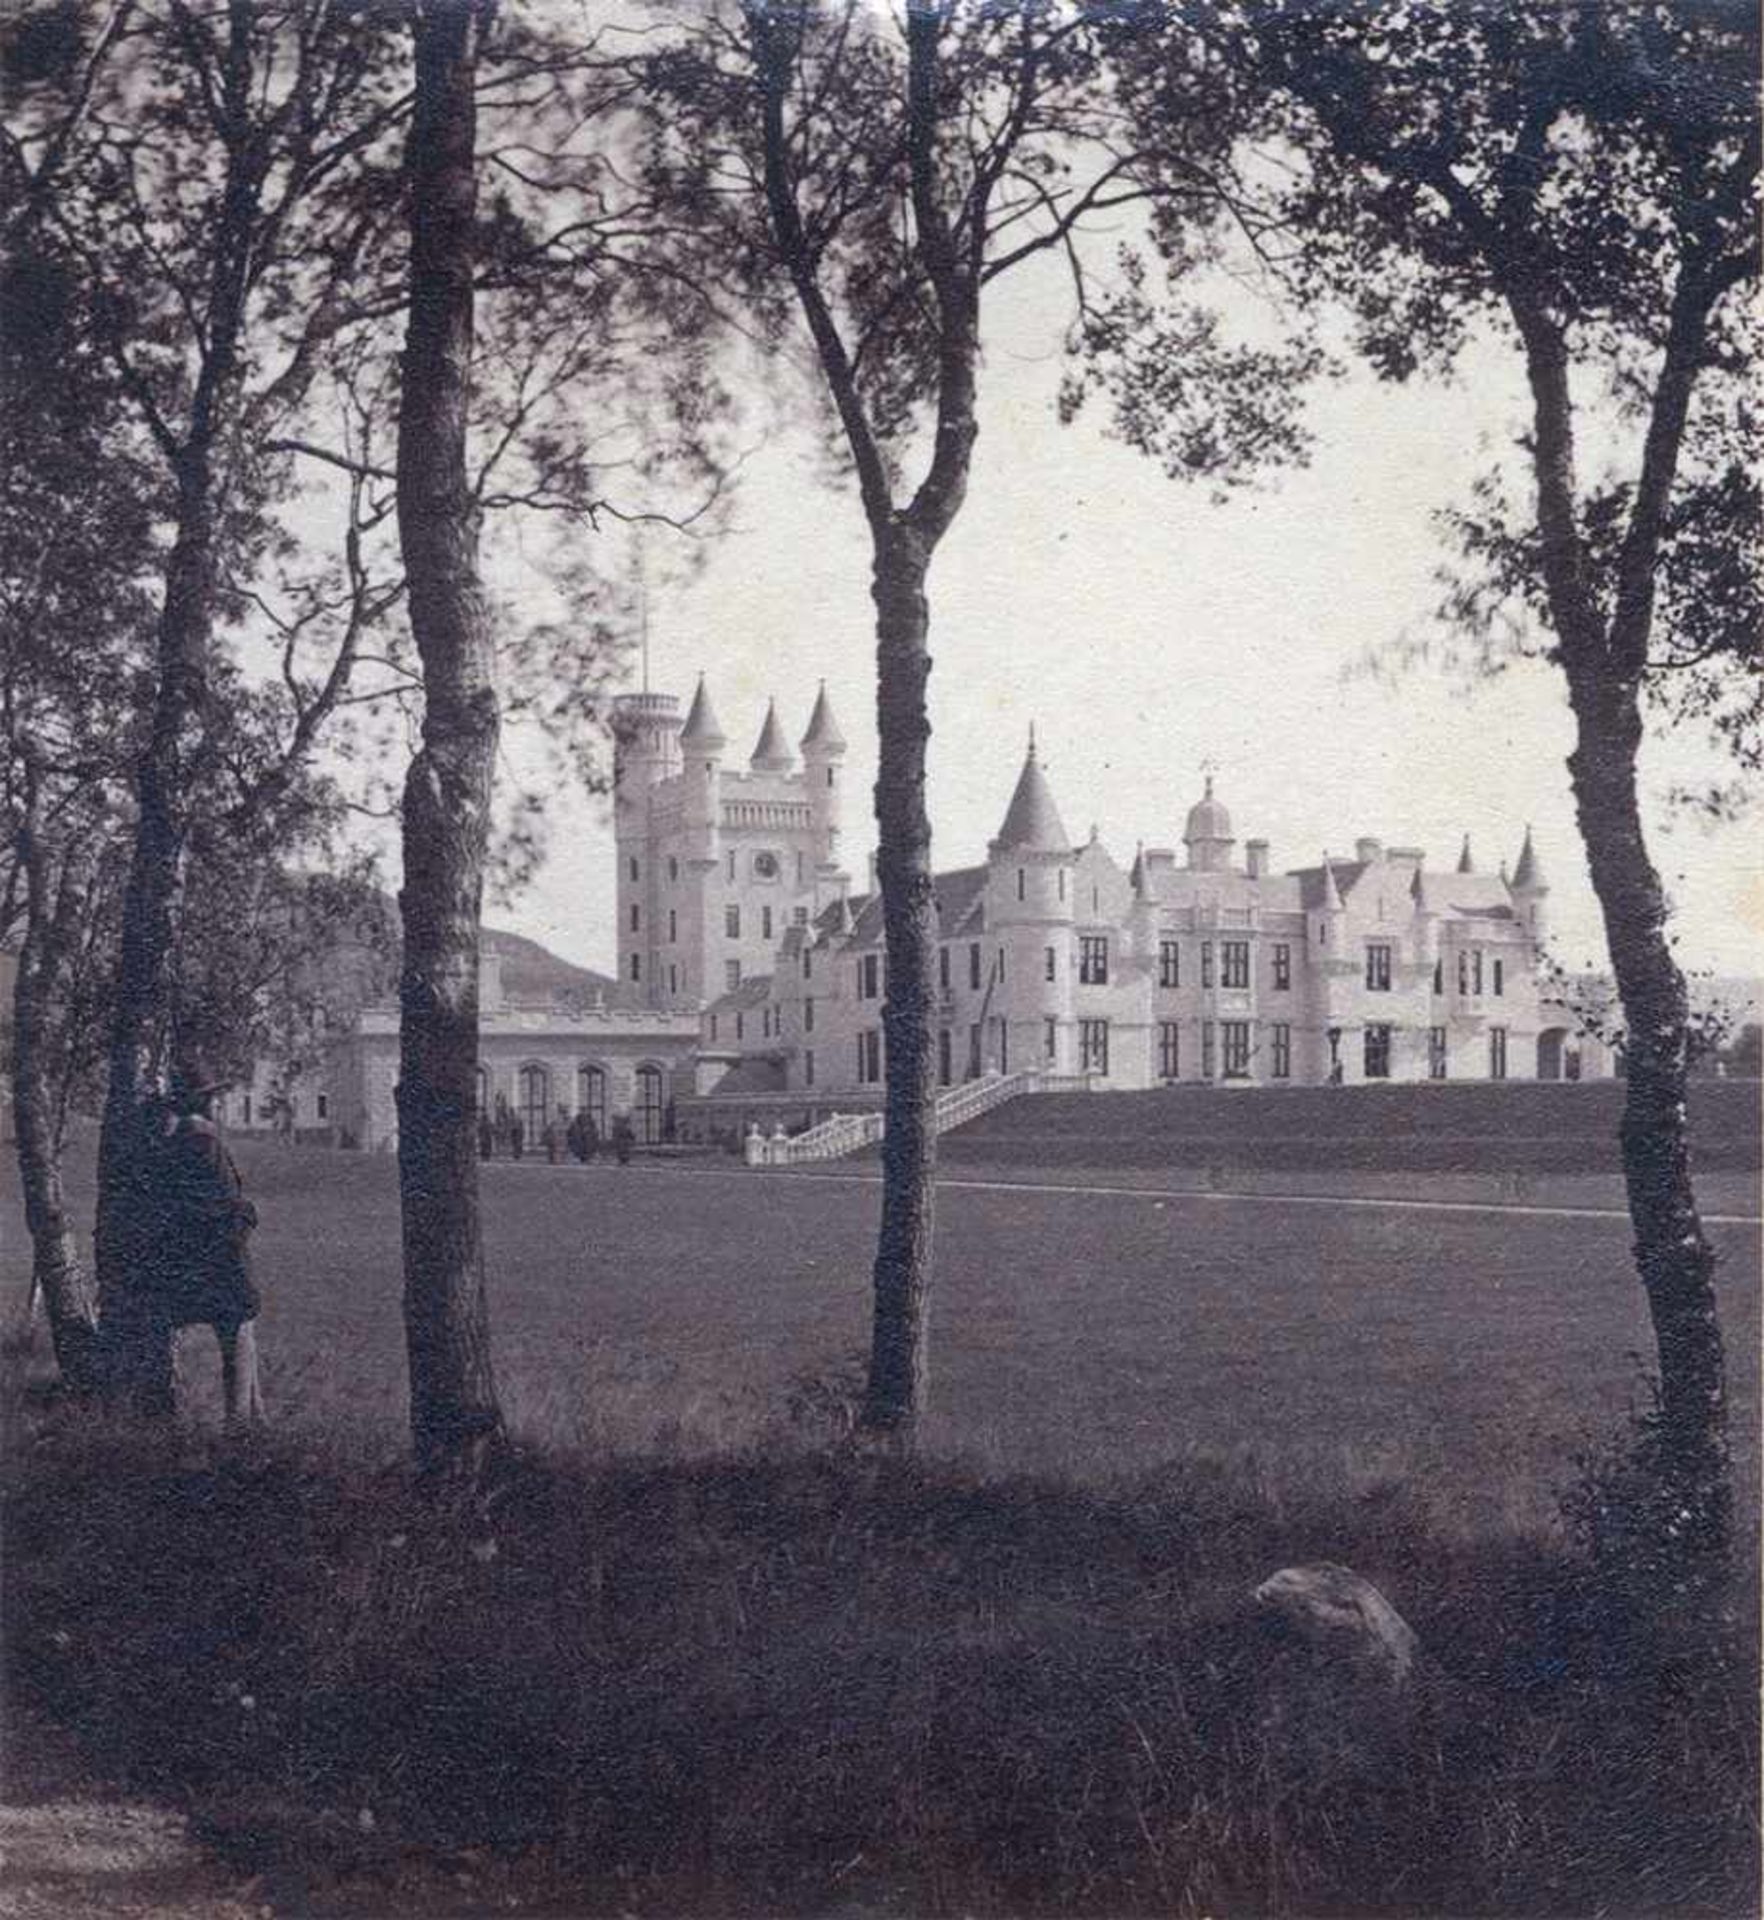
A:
(766, 866)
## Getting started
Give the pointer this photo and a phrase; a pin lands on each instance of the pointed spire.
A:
(772, 753)
(1529, 873)
(1032, 822)
(1465, 863)
(1136, 877)
(702, 731)
(1417, 891)
(1331, 892)
(823, 734)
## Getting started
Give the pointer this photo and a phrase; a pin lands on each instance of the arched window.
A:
(650, 1104)
(591, 1096)
(535, 1100)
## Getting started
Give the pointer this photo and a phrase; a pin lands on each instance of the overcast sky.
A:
(1145, 631)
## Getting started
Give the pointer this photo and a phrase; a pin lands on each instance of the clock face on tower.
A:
(765, 866)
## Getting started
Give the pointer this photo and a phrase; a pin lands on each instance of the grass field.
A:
(1466, 1353)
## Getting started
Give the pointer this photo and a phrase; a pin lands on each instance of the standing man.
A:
(202, 1273)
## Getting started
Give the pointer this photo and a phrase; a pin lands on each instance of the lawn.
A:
(1468, 1354)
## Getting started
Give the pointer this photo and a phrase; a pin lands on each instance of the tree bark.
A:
(58, 1279)
(454, 1414)
(1675, 1260)
(899, 1377)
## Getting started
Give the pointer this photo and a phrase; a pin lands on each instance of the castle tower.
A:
(1530, 890)
(823, 763)
(1208, 835)
(646, 758)
(702, 741)
(1030, 903)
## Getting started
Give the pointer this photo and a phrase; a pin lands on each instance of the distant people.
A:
(504, 1127)
(486, 1138)
(199, 1272)
(517, 1137)
(624, 1140)
(553, 1137)
(590, 1139)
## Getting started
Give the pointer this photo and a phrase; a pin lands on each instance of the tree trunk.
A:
(57, 1278)
(138, 1346)
(1676, 1262)
(900, 1350)
(454, 1414)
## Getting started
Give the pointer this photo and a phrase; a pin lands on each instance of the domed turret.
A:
(1208, 836)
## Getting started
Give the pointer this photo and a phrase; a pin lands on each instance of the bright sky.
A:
(1145, 630)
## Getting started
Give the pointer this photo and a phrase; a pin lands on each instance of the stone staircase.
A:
(847, 1133)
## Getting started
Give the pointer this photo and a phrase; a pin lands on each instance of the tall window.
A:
(1439, 975)
(1378, 967)
(1500, 977)
(1093, 960)
(1234, 964)
(1206, 963)
(673, 870)
(535, 1099)
(808, 1013)
(1169, 964)
(974, 967)
(1004, 1045)
(1048, 962)
(808, 1068)
(870, 1056)
(765, 923)
(1436, 1053)
(1019, 883)
(1476, 970)
(974, 1051)
(869, 976)
(1377, 1052)
(636, 966)
(636, 916)
(731, 975)
(634, 867)
(1236, 1037)
(1169, 1049)
(1497, 1053)
(1282, 968)
(591, 1095)
(1209, 1050)
(1050, 1042)
(1281, 1064)
(731, 863)
(673, 979)
(732, 922)
(943, 968)
(673, 925)
(1001, 954)
(1093, 1046)
(651, 1106)
(808, 964)
(943, 1056)
(1463, 974)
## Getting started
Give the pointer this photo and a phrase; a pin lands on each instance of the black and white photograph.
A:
(881, 959)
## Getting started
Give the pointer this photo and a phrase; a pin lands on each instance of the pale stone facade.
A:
(1211, 968)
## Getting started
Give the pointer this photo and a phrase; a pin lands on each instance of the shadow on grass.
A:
(799, 1681)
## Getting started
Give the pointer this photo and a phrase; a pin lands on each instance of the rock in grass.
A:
(1338, 1692)
(1339, 1614)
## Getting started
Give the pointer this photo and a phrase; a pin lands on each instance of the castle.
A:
(733, 901)
(752, 978)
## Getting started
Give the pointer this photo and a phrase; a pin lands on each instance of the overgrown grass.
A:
(802, 1681)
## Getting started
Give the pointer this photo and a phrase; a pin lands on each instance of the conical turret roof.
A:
(1529, 872)
(1465, 863)
(702, 729)
(1136, 875)
(1032, 822)
(1331, 892)
(772, 753)
(823, 730)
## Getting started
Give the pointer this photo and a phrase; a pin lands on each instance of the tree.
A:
(878, 181)
(454, 1414)
(207, 173)
(1583, 176)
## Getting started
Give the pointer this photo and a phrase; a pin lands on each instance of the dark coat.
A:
(202, 1271)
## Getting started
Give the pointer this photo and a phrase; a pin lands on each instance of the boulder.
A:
(1333, 1610)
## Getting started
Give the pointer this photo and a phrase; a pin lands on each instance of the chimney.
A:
(1368, 851)
(875, 877)
(1255, 853)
